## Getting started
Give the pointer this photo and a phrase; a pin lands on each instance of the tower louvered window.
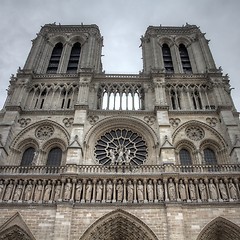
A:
(186, 64)
(167, 59)
(55, 58)
(74, 58)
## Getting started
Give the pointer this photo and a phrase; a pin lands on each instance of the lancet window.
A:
(52, 96)
(28, 156)
(55, 58)
(186, 64)
(74, 58)
(54, 157)
(167, 59)
(209, 156)
(121, 97)
(185, 157)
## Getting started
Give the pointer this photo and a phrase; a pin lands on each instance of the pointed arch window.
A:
(209, 156)
(54, 157)
(28, 156)
(186, 64)
(55, 58)
(74, 58)
(185, 157)
(167, 58)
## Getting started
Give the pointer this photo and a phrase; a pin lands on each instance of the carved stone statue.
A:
(112, 156)
(130, 190)
(109, 191)
(171, 190)
(67, 191)
(38, 192)
(127, 156)
(202, 190)
(192, 190)
(160, 190)
(18, 192)
(150, 191)
(1, 188)
(57, 192)
(119, 189)
(120, 159)
(232, 190)
(8, 191)
(140, 191)
(89, 191)
(99, 191)
(78, 191)
(28, 191)
(182, 190)
(47, 192)
(212, 190)
(223, 190)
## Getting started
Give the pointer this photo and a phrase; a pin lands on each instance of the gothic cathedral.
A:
(86, 155)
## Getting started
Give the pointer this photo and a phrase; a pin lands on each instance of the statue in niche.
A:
(99, 191)
(28, 191)
(18, 192)
(112, 157)
(150, 191)
(109, 191)
(1, 188)
(192, 190)
(35, 158)
(47, 192)
(8, 191)
(127, 157)
(202, 190)
(182, 191)
(171, 190)
(120, 159)
(212, 190)
(119, 189)
(140, 191)
(38, 192)
(130, 190)
(89, 191)
(78, 191)
(57, 191)
(223, 190)
(160, 190)
(232, 190)
(67, 190)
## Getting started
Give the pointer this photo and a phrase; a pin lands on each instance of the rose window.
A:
(121, 147)
(195, 133)
(44, 132)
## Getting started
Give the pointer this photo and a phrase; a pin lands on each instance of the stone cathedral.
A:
(86, 155)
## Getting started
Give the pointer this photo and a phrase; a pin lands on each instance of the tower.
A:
(90, 155)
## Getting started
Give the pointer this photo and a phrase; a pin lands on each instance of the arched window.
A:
(186, 65)
(55, 58)
(167, 59)
(54, 157)
(197, 103)
(74, 58)
(185, 157)
(209, 156)
(28, 156)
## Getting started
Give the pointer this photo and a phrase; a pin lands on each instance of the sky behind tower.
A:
(121, 23)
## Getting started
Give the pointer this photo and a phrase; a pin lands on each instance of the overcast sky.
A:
(121, 22)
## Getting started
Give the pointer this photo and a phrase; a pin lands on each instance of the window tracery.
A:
(121, 146)
(195, 133)
(55, 58)
(44, 132)
(121, 97)
(186, 64)
(74, 58)
(167, 58)
(185, 157)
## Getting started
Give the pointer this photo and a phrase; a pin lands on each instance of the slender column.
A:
(124, 191)
(227, 187)
(187, 192)
(177, 189)
(235, 180)
(33, 190)
(42, 192)
(73, 189)
(207, 188)
(217, 187)
(166, 189)
(196, 189)
(84, 191)
(62, 189)
(135, 190)
(114, 190)
(145, 190)
(155, 190)
(22, 194)
(104, 190)
(94, 191)
(52, 191)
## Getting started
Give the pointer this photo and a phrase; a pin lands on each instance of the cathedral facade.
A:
(86, 155)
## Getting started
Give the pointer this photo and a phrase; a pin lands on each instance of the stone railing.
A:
(124, 169)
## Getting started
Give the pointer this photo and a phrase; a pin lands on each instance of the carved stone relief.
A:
(23, 122)
(194, 133)
(44, 132)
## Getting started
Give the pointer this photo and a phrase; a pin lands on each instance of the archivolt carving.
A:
(28, 142)
(55, 142)
(119, 223)
(220, 228)
(185, 144)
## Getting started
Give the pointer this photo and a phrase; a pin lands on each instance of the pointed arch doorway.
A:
(220, 229)
(118, 225)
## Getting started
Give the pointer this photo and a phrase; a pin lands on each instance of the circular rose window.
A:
(120, 147)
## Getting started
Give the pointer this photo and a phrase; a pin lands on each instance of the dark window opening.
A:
(54, 157)
(74, 58)
(27, 157)
(210, 157)
(185, 157)
(167, 59)
(186, 65)
(55, 58)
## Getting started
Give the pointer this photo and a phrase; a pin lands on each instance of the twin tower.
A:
(119, 156)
